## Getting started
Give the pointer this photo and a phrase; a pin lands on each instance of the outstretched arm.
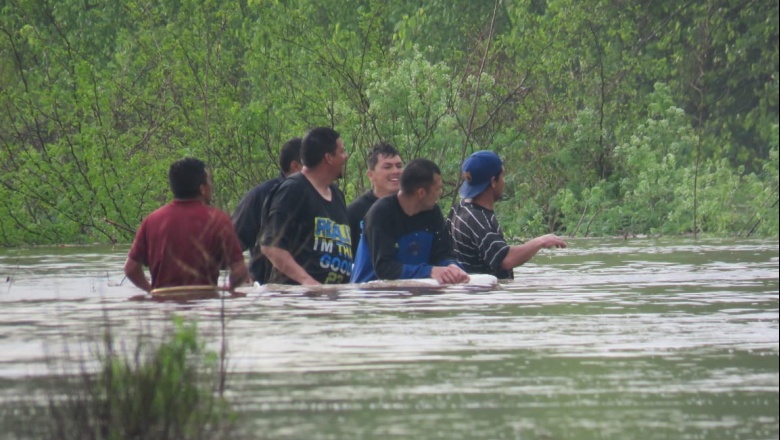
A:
(134, 271)
(520, 254)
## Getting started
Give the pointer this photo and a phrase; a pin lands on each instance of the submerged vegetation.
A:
(613, 117)
(168, 388)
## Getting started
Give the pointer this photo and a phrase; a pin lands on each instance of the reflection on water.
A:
(637, 339)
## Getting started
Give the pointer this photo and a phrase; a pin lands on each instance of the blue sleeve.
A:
(404, 248)
(448, 262)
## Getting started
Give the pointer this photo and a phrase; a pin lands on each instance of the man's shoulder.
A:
(388, 202)
(385, 208)
(211, 212)
(295, 179)
(268, 185)
(367, 196)
(161, 210)
(466, 210)
(186, 209)
(216, 211)
(432, 217)
(338, 195)
(295, 184)
(262, 189)
(167, 209)
(475, 218)
(365, 200)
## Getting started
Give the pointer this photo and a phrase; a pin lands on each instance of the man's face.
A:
(498, 190)
(386, 175)
(339, 158)
(207, 189)
(433, 193)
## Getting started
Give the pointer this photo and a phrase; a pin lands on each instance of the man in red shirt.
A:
(186, 242)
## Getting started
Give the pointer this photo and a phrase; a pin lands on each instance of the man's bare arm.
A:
(238, 274)
(284, 262)
(134, 271)
(520, 254)
(450, 274)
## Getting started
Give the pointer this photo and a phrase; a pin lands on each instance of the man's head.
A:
(480, 171)
(323, 147)
(189, 179)
(421, 179)
(384, 169)
(290, 157)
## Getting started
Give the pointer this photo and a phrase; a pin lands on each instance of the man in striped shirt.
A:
(477, 239)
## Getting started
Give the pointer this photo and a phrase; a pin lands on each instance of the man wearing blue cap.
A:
(476, 235)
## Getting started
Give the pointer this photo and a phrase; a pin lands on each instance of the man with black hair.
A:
(477, 238)
(384, 167)
(404, 235)
(248, 218)
(186, 242)
(307, 236)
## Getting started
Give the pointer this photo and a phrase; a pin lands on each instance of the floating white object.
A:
(476, 280)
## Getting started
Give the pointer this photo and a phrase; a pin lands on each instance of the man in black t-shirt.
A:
(384, 171)
(405, 236)
(248, 218)
(307, 238)
(476, 235)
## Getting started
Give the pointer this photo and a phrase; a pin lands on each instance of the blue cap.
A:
(477, 171)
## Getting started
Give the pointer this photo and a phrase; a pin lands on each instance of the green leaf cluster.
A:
(164, 389)
(612, 117)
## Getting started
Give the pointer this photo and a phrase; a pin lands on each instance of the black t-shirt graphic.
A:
(313, 230)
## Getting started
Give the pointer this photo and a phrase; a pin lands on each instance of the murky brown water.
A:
(609, 339)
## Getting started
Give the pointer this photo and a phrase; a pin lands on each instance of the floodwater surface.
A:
(608, 339)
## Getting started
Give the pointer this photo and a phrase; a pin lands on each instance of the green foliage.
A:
(164, 391)
(157, 392)
(412, 106)
(96, 100)
(662, 191)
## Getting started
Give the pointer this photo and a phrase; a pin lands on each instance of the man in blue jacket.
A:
(405, 235)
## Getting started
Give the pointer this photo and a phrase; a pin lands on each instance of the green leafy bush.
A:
(164, 389)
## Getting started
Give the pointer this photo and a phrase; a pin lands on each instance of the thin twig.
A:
(475, 101)
(119, 225)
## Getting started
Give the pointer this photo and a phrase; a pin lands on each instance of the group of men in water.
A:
(299, 230)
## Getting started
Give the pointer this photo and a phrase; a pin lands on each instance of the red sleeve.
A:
(230, 245)
(139, 251)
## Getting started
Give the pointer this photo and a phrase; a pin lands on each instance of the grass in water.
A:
(168, 389)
